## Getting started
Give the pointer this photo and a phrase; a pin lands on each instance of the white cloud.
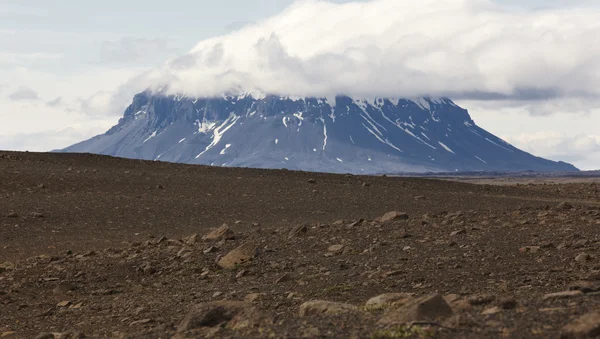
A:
(127, 50)
(583, 150)
(24, 94)
(468, 49)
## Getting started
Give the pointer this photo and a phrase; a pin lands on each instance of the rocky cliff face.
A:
(341, 134)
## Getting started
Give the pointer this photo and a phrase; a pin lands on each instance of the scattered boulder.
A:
(390, 216)
(335, 248)
(562, 295)
(587, 326)
(322, 307)
(529, 249)
(64, 287)
(492, 311)
(583, 257)
(508, 303)
(284, 278)
(458, 303)
(191, 240)
(426, 308)
(482, 299)
(235, 315)
(390, 299)
(564, 206)
(459, 232)
(242, 255)
(6, 266)
(221, 233)
(299, 231)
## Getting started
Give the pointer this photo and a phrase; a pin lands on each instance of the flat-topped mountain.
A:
(342, 134)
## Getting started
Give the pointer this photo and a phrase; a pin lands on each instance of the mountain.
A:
(342, 134)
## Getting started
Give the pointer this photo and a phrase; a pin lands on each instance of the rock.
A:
(64, 287)
(335, 248)
(240, 256)
(191, 240)
(529, 249)
(390, 216)
(45, 336)
(299, 231)
(312, 181)
(587, 326)
(482, 299)
(141, 322)
(8, 334)
(583, 257)
(562, 295)
(564, 206)
(584, 286)
(6, 266)
(457, 303)
(12, 215)
(210, 249)
(508, 303)
(459, 232)
(221, 233)
(389, 299)
(63, 304)
(426, 308)
(37, 215)
(252, 297)
(284, 278)
(234, 314)
(492, 311)
(321, 307)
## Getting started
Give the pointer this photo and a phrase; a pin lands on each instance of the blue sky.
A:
(63, 61)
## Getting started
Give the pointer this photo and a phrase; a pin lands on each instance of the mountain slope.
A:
(342, 134)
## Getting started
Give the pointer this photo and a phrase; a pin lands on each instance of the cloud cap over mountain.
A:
(465, 49)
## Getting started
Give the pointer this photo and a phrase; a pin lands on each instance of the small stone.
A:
(459, 232)
(8, 334)
(217, 294)
(508, 303)
(241, 273)
(253, 297)
(191, 240)
(583, 257)
(221, 233)
(587, 326)
(483, 299)
(390, 216)
(299, 231)
(564, 206)
(12, 215)
(37, 215)
(562, 295)
(492, 311)
(584, 286)
(284, 278)
(141, 322)
(45, 336)
(63, 304)
(210, 249)
(335, 248)
(312, 181)
(529, 249)
(242, 255)
(64, 287)
(321, 307)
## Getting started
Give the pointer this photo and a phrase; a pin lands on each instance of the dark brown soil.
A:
(108, 232)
